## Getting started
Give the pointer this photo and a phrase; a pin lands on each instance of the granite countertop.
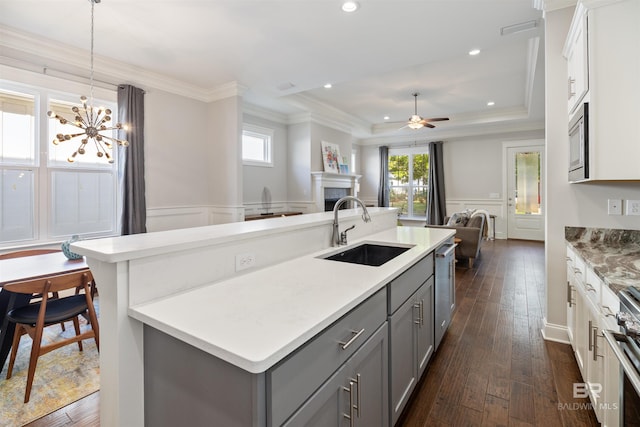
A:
(613, 254)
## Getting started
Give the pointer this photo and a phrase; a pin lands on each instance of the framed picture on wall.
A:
(330, 157)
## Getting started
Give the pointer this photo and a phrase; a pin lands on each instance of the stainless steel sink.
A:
(368, 254)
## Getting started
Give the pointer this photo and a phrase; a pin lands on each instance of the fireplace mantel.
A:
(322, 180)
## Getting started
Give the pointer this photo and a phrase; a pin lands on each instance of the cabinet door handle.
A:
(417, 321)
(590, 335)
(421, 312)
(353, 338)
(577, 270)
(349, 416)
(569, 300)
(358, 381)
(595, 345)
(589, 287)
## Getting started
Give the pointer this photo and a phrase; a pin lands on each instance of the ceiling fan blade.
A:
(437, 119)
(429, 125)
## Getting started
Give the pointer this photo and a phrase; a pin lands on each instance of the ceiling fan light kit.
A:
(416, 122)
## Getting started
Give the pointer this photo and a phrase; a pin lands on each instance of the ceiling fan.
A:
(417, 122)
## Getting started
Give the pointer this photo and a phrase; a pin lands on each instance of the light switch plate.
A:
(633, 207)
(614, 207)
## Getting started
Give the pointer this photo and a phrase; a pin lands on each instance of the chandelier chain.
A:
(93, 4)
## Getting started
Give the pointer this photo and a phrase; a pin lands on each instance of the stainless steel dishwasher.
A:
(445, 290)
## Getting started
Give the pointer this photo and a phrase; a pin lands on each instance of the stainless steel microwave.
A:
(579, 144)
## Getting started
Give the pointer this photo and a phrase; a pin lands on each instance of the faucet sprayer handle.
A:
(343, 235)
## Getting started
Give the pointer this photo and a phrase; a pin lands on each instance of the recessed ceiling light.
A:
(490, 104)
(387, 117)
(350, 6)
(474, 52)
(328, 86)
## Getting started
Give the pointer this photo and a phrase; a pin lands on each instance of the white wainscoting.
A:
(161, 219)
(256, 208)
(495, 207)
(172, 218)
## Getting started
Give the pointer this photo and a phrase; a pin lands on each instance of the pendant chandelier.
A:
(90, 121)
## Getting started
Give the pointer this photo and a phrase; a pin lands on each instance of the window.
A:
(257, 146)
(408, 175)
(43, 197)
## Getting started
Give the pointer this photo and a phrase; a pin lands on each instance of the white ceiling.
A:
(375, 58)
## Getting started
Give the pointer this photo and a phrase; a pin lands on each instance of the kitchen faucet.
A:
(338, 238)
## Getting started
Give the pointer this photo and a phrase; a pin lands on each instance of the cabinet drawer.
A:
(292, 381)
(401, 288)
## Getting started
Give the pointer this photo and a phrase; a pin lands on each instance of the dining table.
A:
(24, 268)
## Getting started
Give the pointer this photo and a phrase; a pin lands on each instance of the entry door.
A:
(525, 201)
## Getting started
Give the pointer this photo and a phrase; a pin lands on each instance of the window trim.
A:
(410, 151)
(43, 168)
(266, 135)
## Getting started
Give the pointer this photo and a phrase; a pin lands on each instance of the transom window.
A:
(43, 197)
(408, 177)
(257, 146)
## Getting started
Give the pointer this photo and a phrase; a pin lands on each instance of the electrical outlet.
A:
(633, 207)
(244, 261)
(614, 207)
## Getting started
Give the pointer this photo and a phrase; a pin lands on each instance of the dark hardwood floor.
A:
(493, 367)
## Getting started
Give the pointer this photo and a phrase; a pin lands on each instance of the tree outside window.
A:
(408, 176)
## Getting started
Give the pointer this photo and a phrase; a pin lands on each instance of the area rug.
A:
(62, 377)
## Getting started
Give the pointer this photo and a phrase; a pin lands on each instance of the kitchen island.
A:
(178, 291)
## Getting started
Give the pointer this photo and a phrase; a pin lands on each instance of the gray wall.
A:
(176, 163)
(473, 166)
(255, 178)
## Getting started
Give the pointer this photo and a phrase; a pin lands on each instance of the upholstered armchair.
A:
(472, 233)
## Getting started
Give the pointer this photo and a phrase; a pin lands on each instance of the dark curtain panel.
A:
(436, 204)
(131, 160)
(383, 189)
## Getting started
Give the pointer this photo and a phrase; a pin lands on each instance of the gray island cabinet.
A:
(359, 371)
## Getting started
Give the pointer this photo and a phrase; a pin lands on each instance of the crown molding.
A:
(45, 54)
(469, 130)
(551, 5)
(327, 115)
(265, 114)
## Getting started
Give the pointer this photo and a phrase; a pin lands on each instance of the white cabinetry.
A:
(590, 309)
(603, 63)
(577, 54)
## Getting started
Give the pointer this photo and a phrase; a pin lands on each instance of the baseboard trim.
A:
(553, 332)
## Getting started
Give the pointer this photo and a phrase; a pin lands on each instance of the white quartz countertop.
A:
(256, 319)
